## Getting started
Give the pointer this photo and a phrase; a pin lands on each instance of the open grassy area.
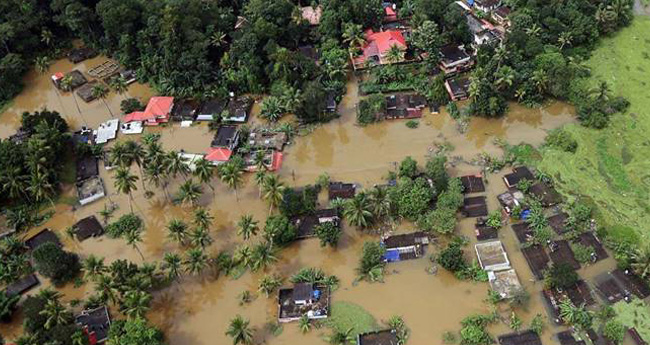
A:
(346, 315)
(635, 314)
(612, 166)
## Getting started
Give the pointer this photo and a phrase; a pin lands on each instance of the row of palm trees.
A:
(366, 207)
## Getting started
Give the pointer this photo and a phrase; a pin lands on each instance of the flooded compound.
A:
(197, 310)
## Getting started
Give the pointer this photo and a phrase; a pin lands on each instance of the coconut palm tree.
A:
(600, 92)
(263, 256)
(40, 187)
(259, 160)
(46, 36)
(272, 108)
(119, 155)
(134, 237)
(200, 237)
(172, 263)
(189, 192)
(641, 261)
(505, 77)
(394, 54)
(269, 283)
(380, 202)
(204, 170)
(273, 191)
(136, 304)
(341, 337)
(55, 314)
(196, 261)
(66, 85)
(231, 174)
(564, 39)
(156, 175)
(260, 177)
(218, 39)
(119, 85)
(202, 218)
(106, 290)
(176, 165)
(358, 210)
(100, 91)
(243, 255)
(177, 231)
(353, 36)
(93, 267)
(135, 154)
(247, 227)
(240, 332)
(125, 183)
(14, 182)
(540, 79)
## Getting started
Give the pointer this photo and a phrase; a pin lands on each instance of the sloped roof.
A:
(384, 40)
(218, 154)
(157, 107)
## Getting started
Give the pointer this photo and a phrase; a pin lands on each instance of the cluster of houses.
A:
(611, 286)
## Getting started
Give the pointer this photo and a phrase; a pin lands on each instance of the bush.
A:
(408, 168)
(298, 202)
(124, 225)
(412, 124)
(561, 276)
(562, 140)
(582, 253)
(412, 197)
(452, 259)
(55, 263)
(614, 331)
(370, 109)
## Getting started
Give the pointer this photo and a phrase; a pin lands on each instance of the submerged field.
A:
(611, 166)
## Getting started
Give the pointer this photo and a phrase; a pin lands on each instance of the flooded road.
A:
(197, 311)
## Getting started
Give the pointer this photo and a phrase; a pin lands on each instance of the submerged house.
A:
(158, 111)
(90, 190)
(377, 46)
(458, 88)
(88, 227)
(267, 140)
(22, 285)
(85, 92)
(87, 167)
(390, 11)
(340, 190)
(42, 237)
(384, 337)
(211, 110)
(80, 54)
(76, 80)
(306, 224)
(95, 324)
(226, 137)
(510, 200)
(454, 59)
(184, 110)
(505, 283)
(238, 109)
(404, 246)
(518, 174)
(483, 31)
(492, 256)
(106, 131)
(272, 160)
(308, 299)
(520, 338)
(472, 184)
(405, 106)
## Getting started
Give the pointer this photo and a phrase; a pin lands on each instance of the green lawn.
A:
(346, 315)
(612, 166)
(635, 314)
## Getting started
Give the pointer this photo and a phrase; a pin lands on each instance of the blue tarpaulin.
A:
(391, 255)
(525, 214)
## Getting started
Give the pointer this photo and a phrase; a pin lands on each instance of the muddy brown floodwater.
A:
(197, 310)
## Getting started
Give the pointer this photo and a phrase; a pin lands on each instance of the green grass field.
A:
(346, 315)
(635, 314)
(612, 166)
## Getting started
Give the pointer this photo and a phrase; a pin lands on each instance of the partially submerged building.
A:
(475, 207)
(308, 299)
(458, 88)
(561, 253)
(454, 59)
(227, 137)
(632, 282)
(42, 237)
(492, 256)
(81, 54)
(261, 139)
(87, 167)
(520, 338)
(22, 285)
(537, 260)
(158, 111)
(272, 160)
(547, 195)
(76, 80)
(589, 239)
(500, 16)
(218, 155)
(523, 232)
(405, 106)
(557, 222)
(184, 110)
(104, 69)
(213, 109)
(472, 184)
(505, 283)
(567, 338)
(85, 92)
(510, 200)
(404, 246)
(238, 109)
(88, 227)
(383, 337)
(106, 131)
(518, 174)
(95, 324)
(340, 190)
(306, 224)
(483, 231)
(610, 290)
(90, 190)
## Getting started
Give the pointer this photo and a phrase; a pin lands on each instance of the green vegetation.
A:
(635, 314)
(371, 265)
(136, 332)
(560, 276)
(55, 263)
(346, 315)
(370, 109)
(329, 233)
(610, 167)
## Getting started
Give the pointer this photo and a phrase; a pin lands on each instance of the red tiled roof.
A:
(158, 109)
(218, 154)
(379, 43)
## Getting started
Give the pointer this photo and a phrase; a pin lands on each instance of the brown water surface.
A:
(196, 311)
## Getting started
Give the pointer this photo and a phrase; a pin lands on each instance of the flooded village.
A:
(506, 282)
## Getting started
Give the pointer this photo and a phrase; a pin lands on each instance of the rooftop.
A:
(580, 294)
(633, 283)
(505, 283)
(184, 110)
(90, 190)
(80, 54)
(238, 109)
(88, 227)
(86, 93)
(406, 240)
(492, 256)
(520, 338)
(547, 194)
(341, 190)
(518, 174)
(537, 259)
(561, 252)
(384, 337)
(211, 107)
(450, 54)
(305, 225)
(558, 223)
(227, 137)
(42, 237)
(96, 323)
(21, 285)
(567, 338)
(267, 140)
(472, 183)
(290, 311)
(522, 231)
(609, 288)
(590, 240)
(475, 207)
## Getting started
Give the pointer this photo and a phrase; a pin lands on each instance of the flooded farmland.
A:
(196, 311)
